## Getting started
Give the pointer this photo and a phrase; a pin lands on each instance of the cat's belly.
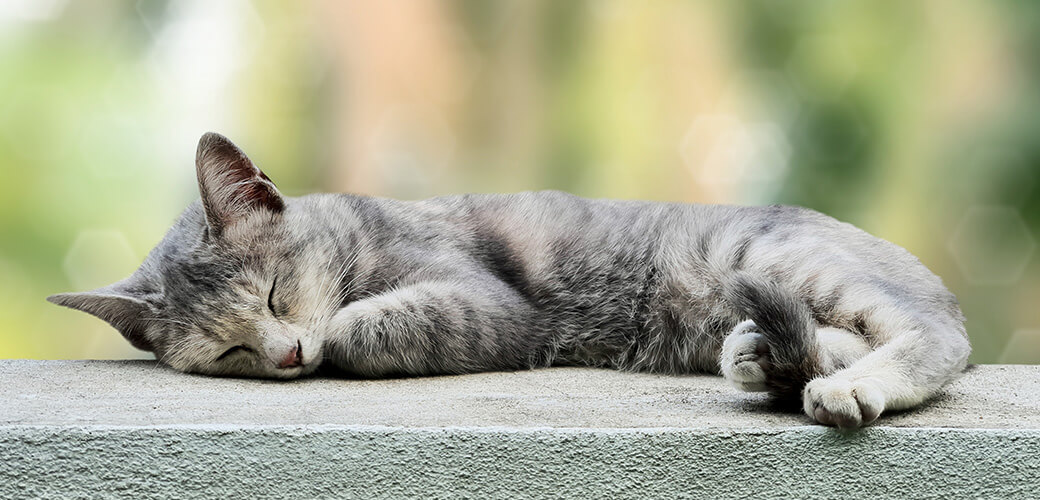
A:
(679, 329)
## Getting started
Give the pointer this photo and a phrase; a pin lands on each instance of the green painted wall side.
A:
(371, 462)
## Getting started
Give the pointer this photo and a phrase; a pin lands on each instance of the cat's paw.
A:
(843, 403)
(745, 358)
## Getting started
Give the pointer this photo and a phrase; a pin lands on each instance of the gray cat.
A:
(779, 299)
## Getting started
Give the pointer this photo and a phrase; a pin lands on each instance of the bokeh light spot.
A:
(723, 150)
(992, 245)
(31, 10)
(99, 257)
(1022, 348)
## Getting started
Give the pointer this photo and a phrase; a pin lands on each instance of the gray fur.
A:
(458, 284)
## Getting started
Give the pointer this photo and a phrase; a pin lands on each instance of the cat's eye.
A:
(270, 297)
(233, 350)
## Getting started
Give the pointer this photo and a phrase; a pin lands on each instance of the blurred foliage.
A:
(917, 121)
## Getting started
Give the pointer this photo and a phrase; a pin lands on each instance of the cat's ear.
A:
(126, 305)
(230, 184)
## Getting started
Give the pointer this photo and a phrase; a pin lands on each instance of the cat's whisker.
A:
(345, 289)
(334, 299)
(321, 286)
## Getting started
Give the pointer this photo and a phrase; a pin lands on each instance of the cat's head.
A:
(228, 290)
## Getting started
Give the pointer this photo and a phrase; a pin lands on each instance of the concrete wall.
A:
(131, 429)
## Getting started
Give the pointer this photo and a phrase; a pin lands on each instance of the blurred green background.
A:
(918, 121)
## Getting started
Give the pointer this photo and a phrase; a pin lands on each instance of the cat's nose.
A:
(293, 359)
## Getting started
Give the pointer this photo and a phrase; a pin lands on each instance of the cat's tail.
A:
(787, 324)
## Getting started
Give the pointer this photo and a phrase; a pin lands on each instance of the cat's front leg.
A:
(431, 327)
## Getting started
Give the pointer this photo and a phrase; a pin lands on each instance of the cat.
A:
(780, 299)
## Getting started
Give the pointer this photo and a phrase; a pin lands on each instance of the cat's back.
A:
(525, 222)
(549, 212)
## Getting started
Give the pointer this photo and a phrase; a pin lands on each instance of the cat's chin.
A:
(270, 374)
(291, 373)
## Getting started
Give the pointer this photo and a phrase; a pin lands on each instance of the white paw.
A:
(745, 358)
(843, 403)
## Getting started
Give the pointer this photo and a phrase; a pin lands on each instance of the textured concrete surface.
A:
(88, 429)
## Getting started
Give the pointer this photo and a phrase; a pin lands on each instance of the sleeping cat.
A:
(778, 299)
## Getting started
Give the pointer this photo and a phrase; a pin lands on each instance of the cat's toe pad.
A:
(745, 358)
(843, 403)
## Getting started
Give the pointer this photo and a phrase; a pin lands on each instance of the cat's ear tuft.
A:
(230, 184)
(117, 304)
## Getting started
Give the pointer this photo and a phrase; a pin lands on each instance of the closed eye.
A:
(270, 297)
(233, 350)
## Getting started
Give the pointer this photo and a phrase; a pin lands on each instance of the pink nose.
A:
(293, 358)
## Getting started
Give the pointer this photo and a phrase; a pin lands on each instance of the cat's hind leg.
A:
(917, 343)
(746, 363)
(916, 356)
(744, 360)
